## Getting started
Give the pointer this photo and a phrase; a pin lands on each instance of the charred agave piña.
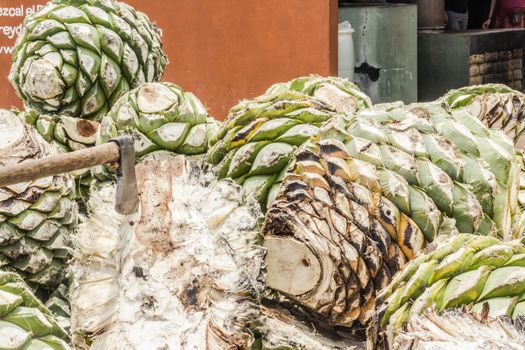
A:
(368, 194)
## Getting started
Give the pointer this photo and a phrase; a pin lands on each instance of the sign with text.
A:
(223, 51)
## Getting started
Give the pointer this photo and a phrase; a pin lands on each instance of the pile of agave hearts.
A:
(377, 217)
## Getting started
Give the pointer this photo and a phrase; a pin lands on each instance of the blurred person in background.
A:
(505, 14)
(457, 14)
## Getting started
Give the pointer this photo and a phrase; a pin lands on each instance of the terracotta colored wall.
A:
(226, 50)
(9, 21)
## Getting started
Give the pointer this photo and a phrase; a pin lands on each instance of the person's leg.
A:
(463, 21)
(453, 20)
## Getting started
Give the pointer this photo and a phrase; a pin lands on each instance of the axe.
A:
(119, 149)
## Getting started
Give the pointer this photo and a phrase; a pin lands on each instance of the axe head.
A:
(120, 150)
(127, 197)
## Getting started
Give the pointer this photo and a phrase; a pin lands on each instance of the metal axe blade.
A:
(119, 150)
(127, 196)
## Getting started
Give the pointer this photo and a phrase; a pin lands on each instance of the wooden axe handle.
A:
(63, 163)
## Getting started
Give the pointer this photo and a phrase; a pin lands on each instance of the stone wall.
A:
(505, 67)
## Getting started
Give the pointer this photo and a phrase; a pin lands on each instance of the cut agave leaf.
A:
(13, 207)
(196, 141)
(242, 159)
(497, 307)
(28, 220)
(465, 288)
(431, 296)
(437, 185)
(80, 130)
(482, 182)
(504, 281)
(466, 210)
(271, 159)
(364, 150)
(408, 140)
(55, 342)
(424, 213)
(9, 302)
(272, 129)
(445, 155)
(170, 136)
(473, 124)
(369, 130)
(400, 162)
(34, 263)
(45, 231)
(46, 127)
(396, 189)
(460, 136)
(47, 202)
(453, 264)
(143, 145)
(259, 186)
(419, 281)
(31, 320)
(492, 256)
(298, 134)
(498, 159)
(13, 336)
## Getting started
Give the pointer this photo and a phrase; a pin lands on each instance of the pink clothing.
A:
(508, 4)
(508, 14)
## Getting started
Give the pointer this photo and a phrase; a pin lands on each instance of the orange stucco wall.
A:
(225, 50)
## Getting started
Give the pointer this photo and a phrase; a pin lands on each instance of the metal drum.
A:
(431, 14)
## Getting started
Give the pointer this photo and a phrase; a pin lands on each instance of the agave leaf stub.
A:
(296, 275)
(65, 133)
(465, 288)
(504, 281)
